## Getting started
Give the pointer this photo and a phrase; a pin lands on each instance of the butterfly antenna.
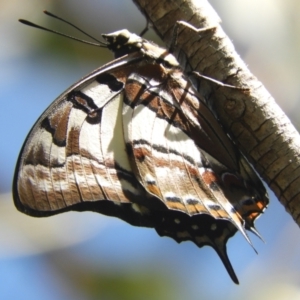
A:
(143, 32)
(98, 44)
(71, 24)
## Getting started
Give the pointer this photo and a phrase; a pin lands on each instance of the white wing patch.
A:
(100, 93)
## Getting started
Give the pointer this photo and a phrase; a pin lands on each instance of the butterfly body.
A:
(134, 140)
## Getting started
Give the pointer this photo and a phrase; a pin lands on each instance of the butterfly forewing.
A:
(134, 140)
(71, 156)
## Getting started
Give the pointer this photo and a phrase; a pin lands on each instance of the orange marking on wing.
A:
(154, 190)
(260, 205)
(176, 205)
(210, 177)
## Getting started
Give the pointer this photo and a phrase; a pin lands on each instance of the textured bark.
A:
(252, 118)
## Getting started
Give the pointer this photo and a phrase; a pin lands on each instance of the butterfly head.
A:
(122, 42)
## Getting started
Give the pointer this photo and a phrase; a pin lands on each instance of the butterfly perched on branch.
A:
(134, 140)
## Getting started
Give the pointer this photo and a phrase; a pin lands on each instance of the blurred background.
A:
(90, 256)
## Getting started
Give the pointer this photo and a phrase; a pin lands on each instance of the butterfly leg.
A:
(186, 25)
(145, 30)
(219, 83)
(197, 74)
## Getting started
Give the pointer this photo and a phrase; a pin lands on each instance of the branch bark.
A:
(258, 126)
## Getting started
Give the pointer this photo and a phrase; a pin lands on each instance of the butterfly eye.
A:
(169, 61)
(116, 39)
(167, 64)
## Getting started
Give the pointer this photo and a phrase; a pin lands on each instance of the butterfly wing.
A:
(132, 142)
(75, 152)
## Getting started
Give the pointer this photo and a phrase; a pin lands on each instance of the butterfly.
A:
(134, 140)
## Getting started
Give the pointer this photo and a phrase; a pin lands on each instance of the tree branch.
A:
(255, 122)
